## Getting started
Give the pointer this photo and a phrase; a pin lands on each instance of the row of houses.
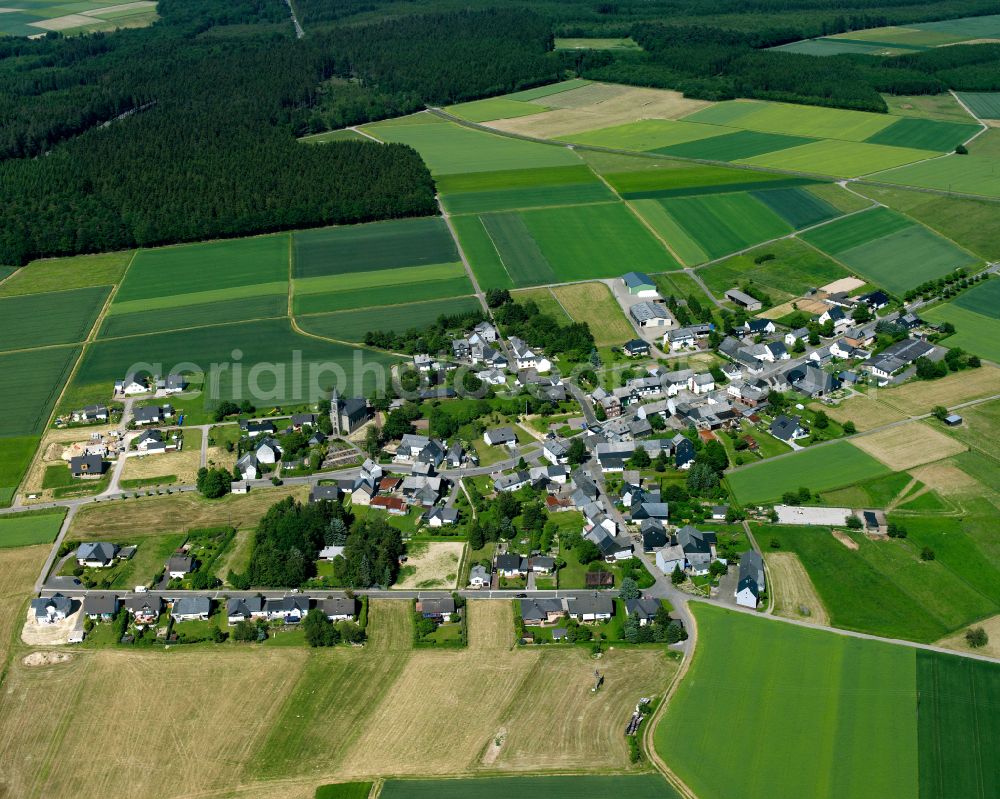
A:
(138, 383)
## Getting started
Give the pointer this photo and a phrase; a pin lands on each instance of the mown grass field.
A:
(482, 253)
(26, 529)
(927, 106)
(968, 174)
(638, 786)
(975, 332)
(352, 325)
(818, 468)
(62, 274)
(593, 303)
(799, 207)
(549, 90)
(38, 320)
(493, 108)
(190, 268)
(810, 701)
(958, 727)
(378, 245)
(843, 159)
(30, 381)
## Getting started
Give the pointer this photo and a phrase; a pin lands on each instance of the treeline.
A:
(433, 338)
(527, 322)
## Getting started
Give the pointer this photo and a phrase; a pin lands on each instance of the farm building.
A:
(651, 314)
(639, 284)
(744, 300)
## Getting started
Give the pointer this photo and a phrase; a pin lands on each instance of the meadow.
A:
(39, 320)
(545, 300)
(594, 303)
(62, 274)
(375, 246)
(26, 529)
(809, 702)
(733, 146)
(794, 120)
(353, 325)
(817, 468)
(974, 332)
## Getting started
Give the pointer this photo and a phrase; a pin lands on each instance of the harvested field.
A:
(992, 648)
(165, 514)
(793, 590)
(921, 396)
(432, 564)
(909, 445)
(491, 625)
(947, 478)
(594, 303)
(865, 411)
(183, 464)
(18, 569)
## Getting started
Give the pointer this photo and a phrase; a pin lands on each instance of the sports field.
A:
(25, 529)
(809, 701)
(969, 174)
(365, 248)
(637, 786)
(353, 325)
(30, 381)
(593, 303)
(38, 320)
(817, 468)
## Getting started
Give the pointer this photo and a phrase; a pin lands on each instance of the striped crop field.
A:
(353, 325)
(38, 320)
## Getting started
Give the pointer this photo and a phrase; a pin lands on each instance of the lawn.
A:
(958, 727)
(594, 303)
(974, 331)
(38, 320)
(192, 268)
(448, 148)
(794, 269)
(63, 274)
(353, 325)
(30, 381)
(810, 701)
(634, 786)
(843, 159)
(818, 468)
(15, 457)
(378, 245)
(24, 529)
(969, 174)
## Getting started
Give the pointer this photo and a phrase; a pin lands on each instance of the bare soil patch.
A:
(992, 649)
(34, 633)
(909, 445)
(800, 303)
(435, 565)
(843, 284)
(46, 658)
(845, 539)
(793, 590)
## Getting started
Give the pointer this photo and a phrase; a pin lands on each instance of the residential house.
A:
(179, 565)
(778, 351)
(645, 608)
(423, 490)
(897, 357)
(744, 300)
(440, 517)
(151, 442)
(338, 608)
(49, 610)
(437, 608)
(479, 577)
(171, 384)
(670, 558)
(875, 300)
(651, 315)
(543, 610)
(331, 552)
(639, 284)
(719, 513)
(143, 608)
(544, 475)
(591, 608)
(701, 384)
(836, 315)
(87, 466)
(394, 506)
(100, 607)
(500, 436)
(758, 327)
(191, 608)
(683, 452)
(300, 420)
(268, 451)
(455, 455)
(486, 332)
(513, 481)
(541, 564)
(133, 384)
(812, 381)
(698, 547)
(245, 608)
(650, 510)
(842, 349)
(289, 609)
(511, 565)
(320, 493)
(799, 334)
(152, 414)
(92, 413)
(248, 466)
(527, 358)
(556, 451)
(362, 493)
(636, 348)
(96, 555)
(751, 579)
(787, 428)
(654, 534)
(612, 457)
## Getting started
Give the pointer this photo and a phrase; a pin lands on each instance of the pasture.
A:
(594, 303)
(26, 529)
(193, 268)
(814, 701)
(30, 382)
(817, 468)
(975, 332)
(865, 411)
(968, 174)
(545, 300)
(958, 730)
(927, 106)
(448, 148)
(38, 320)
(352, 326)
(636, 786)
(377, 245)
(63, 274)
(920, 397)
(19, 566)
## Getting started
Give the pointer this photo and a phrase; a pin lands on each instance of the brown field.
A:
(921, 396)
(436, 564)
(276, 722)
(19, 566)
(799, 303)
(165, 514)
(793, 589)
(585, 302)
(865, 411)
(183, 464)
(947, 479)
(627, 105)
(992, 649)
(909, 445)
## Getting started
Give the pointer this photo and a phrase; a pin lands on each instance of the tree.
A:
(319, 630)
(849, 428)
(717, 568)
(961, 149)
(373, 443)
(213, 483)
(640, 458)
(336, 532)
(497, 297)
(821, 421)
(927, 554)
(702, 479)
(660, 462)
(939, 412)
(630, 629)
(629, 589)
(861, 314)
(896, 530)
(245, 630)
(587, 551)
(677, 576)
(853, 522)
(576, 453)
(476, 538)
(799, 346)
(599, 413)
(976, 637)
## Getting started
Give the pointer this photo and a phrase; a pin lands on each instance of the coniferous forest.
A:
(187, 129)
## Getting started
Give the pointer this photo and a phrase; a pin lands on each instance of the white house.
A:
(51, 609)
(500, 435)
(556, 451)
(701, 384)
(268, 451)
(670, 558)
(527, 358)
(479, 577)
(131, 385)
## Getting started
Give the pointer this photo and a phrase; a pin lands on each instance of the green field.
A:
(481, 252)
(647, 134)
(734, 146)
(634, 786)
(797, 206)
(985, 105)
(237, 309)
(189, 268)
(825, 47)
(807, 702)
(715, 224)
(15, 457)
(983, 298)
(344, 790)
(548, 90)
(493, 108)
(924, 134)
(448, 148)
(24, 529)
(675, 179)
(794, 120)
(352, 325)
(969, 174)
(62, 274)
(344, 134)
(958, 726)
(521, 188)
(325, 301)
(842, 159)
(974, 332)
(38, 320)
(270, 343)
(927, 106)
(596, 44)
(855, 230)
(30, 381)
(522, 257)
(795, 269)
(379, 245)
(817, 468)
(545, 300)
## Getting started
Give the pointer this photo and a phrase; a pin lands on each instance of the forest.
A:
(187, 129)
